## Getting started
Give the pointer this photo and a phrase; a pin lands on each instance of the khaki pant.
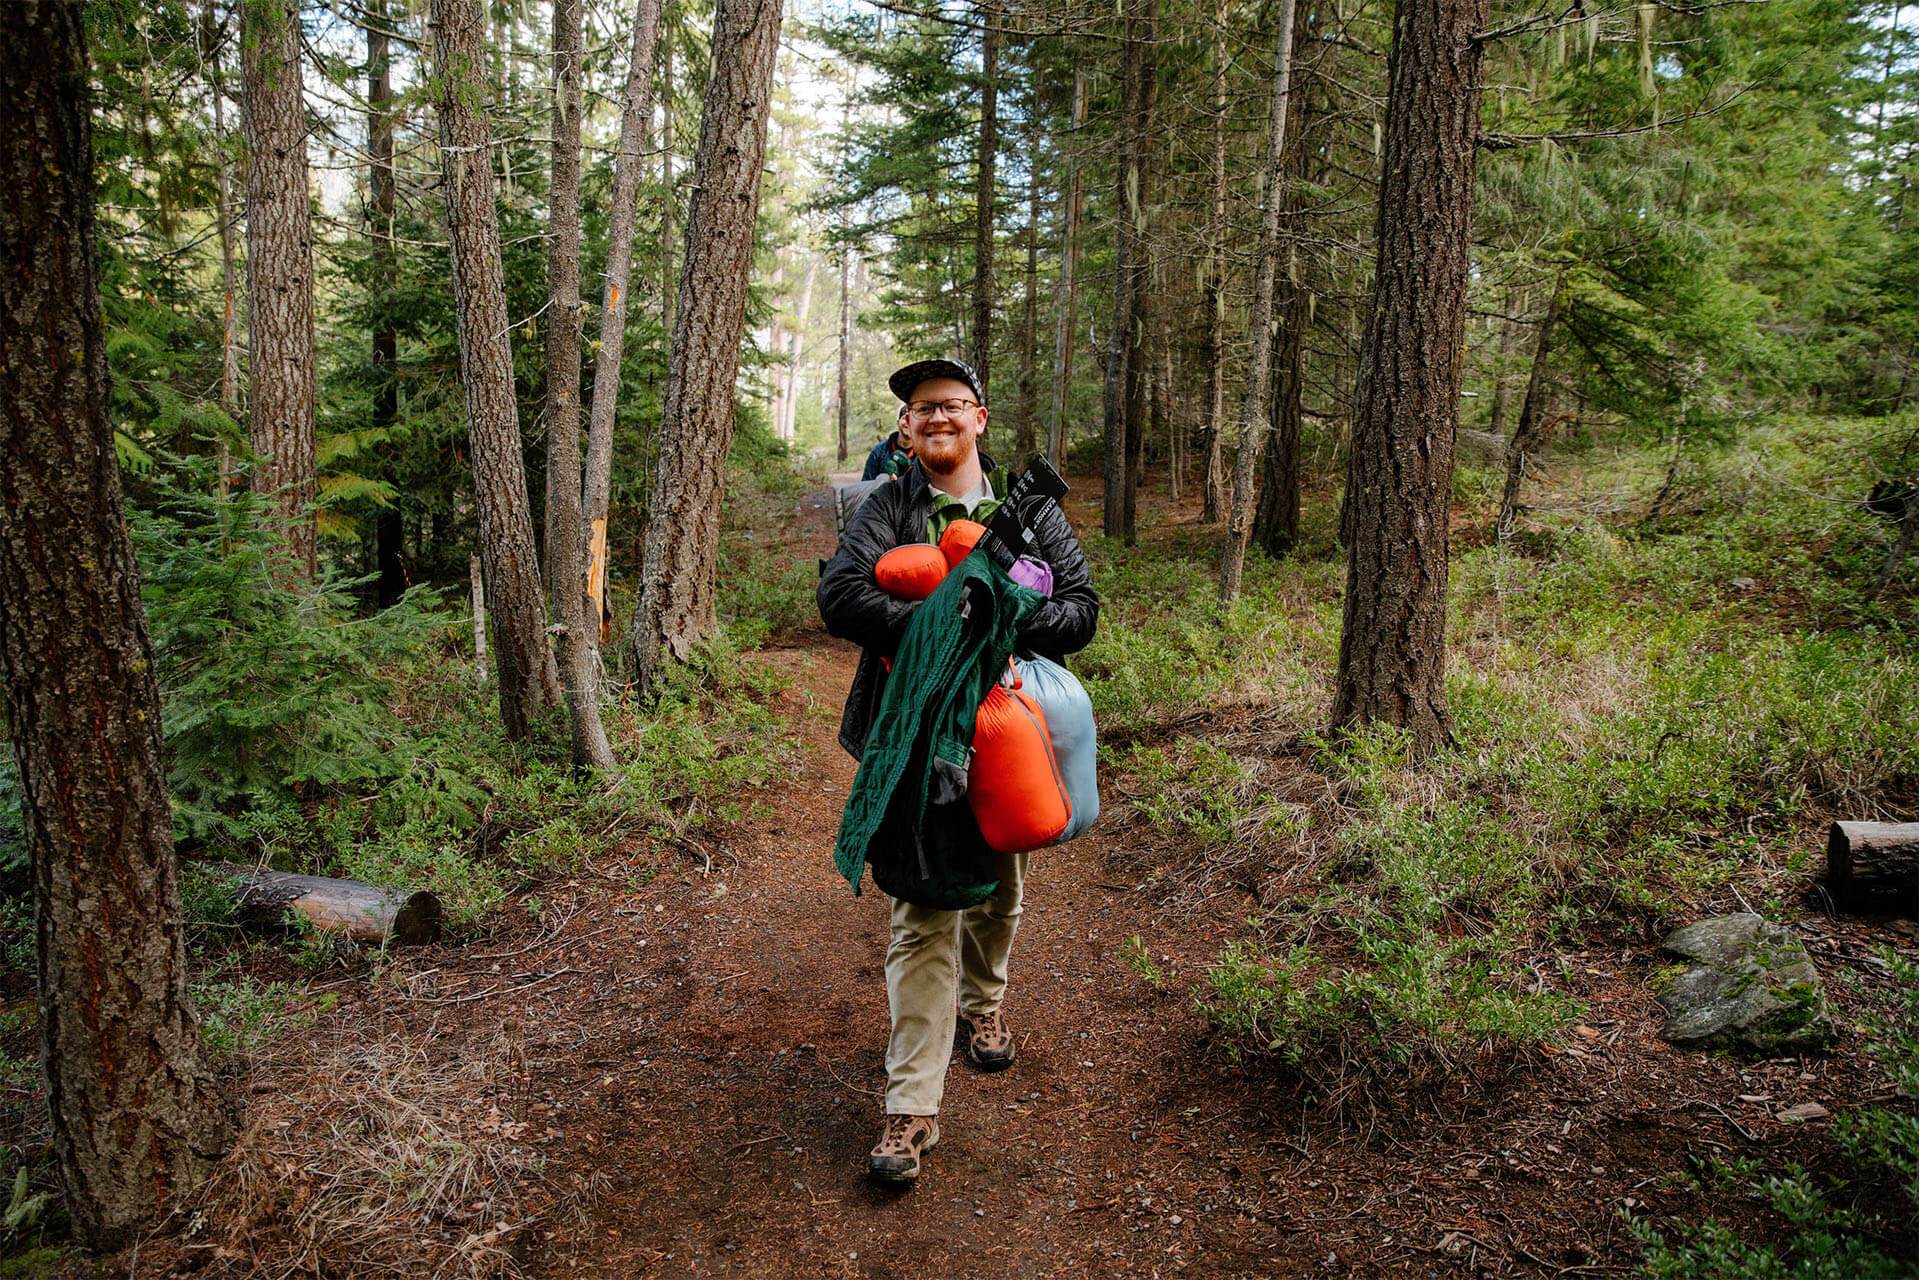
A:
(938, 961)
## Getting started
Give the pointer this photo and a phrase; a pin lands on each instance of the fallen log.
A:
(363, 912)
(1874, 862)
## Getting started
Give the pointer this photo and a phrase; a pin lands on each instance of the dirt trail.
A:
(698, 1057)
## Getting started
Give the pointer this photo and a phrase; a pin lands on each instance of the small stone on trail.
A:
(1751, 986)
(1805, 1111)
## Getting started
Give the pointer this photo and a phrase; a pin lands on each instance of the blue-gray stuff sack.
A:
(1069, 715)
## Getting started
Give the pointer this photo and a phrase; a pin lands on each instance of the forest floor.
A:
(675, 1070)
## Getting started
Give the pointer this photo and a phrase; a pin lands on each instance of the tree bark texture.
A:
(1253, 405)
(983, 201)
(1023, 436)
(1212, 486)
(636, 105)
(566, 538)
(136, 1115)
(846, 348)
(1533, 408)
(529, 684)
(223, 213)
(1069, 284)
(676, 609)
(279, 272)
(1276, 521)
(389, 529)
(1400, 466)
(1125, 405)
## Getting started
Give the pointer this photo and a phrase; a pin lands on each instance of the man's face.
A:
(943, 441)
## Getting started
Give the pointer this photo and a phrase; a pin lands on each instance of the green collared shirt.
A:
(977, 506)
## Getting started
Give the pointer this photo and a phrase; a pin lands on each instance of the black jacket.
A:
(854, 607)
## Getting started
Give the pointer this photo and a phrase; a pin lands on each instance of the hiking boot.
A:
(989, 1041)
(897, 1157)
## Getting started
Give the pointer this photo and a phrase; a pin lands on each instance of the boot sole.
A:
(900, 1176)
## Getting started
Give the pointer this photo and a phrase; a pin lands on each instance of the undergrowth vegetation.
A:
(1653, 714)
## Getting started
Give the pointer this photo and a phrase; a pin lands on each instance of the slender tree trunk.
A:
(566, 542)
(529, 685)
(1212, 484)
(389, 529)
(1136, 374)
(1509, 339)
(279, 272)
(1533, 408)
(1253, 407)
(1069, 284)
(846, 348)
(669, 199)
(1123, 371)
(622, 207)
(983, 200)
(1276, 523)
(1176, 436)
(796, 347)
(1400, 468)
(136, 1115)
(676, 610)
(223, 204)
(1030, 313)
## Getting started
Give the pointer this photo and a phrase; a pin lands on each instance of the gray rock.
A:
(1751, 986)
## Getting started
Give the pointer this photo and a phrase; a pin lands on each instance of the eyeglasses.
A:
(925, 409)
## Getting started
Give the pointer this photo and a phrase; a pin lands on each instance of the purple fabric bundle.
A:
(1035, 575)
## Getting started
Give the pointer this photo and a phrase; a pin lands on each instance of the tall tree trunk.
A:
(1124, 402)
(1211, 481)
(1136, 375)
(389, 529)
(676, 610)
(846, 348)
(1069, 284)
(669, 201)
(796, 347)
(1023, 436)
(223, 205)
(1509, 340)
(1253, 406)
(1276, 522)
(136, 1115)
(622, 207)
(1533, 408)
(1400, 467)
(983, 199)
(566, 543)
(529, 685)
(279, 272)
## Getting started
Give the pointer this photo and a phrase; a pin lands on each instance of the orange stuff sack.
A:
(960, 539)
(911, 572)
(1014, 784)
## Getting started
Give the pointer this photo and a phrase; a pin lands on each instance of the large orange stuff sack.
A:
(1014, 783)
(911, 572)
(960, 539)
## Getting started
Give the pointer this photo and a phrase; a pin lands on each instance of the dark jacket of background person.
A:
(880, 457)
(855, 607)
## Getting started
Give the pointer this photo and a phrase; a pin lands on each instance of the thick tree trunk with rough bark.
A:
(136, 1116)
(566, 540)
(1069, 284)
(983, 200)
(622, 205)
(676, 609)
(1533, 409)
(1253, 406)
(529, 685)
(1400, 468)
(1276, 522)
(279, 272)
(388, 529)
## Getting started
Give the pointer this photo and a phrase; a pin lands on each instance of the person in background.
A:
(893, 455)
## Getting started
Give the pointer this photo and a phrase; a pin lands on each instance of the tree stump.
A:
(1874, 863)
(363, 912)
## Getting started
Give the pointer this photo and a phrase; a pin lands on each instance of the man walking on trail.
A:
(939, 962)
(891, 456)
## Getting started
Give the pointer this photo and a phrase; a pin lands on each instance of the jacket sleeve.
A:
(852, 605)
(1064, 624)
